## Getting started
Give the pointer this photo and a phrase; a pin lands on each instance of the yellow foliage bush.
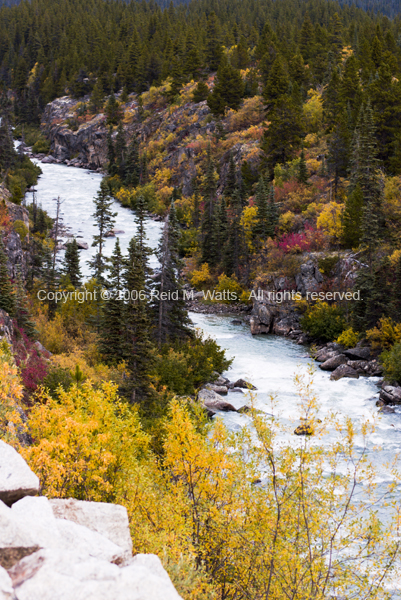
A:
(11, 393)
(348, 338)
(313, 111)
(250, 113)
(202, 277)
(248, 221)
(330, 219)
(385, 335)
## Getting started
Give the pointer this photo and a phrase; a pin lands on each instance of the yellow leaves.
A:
(251, 113)
(11, 392)
(86, 442)
(330, 219)
(349, 338)
(248, 221)
(125, 196)
(313, 111)
(201, 277)
(385, 335)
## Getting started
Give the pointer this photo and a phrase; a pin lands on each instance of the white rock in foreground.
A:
(15, 541)
(110, 520)
(6, 588)
(63, 575)
(36, 516)
(16, 478)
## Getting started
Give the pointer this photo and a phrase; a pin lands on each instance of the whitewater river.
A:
(269, 362)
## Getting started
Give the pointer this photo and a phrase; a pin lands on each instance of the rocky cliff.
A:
(68, 549)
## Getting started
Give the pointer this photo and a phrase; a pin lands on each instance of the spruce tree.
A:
(133, 166)
(303, 175)
(71, 267)
(113, 110)
(283, 136)
(7, 296)
(235, 247)
(261, 227)
(273, 214)
(121, 151)
(22, 312)
(104, 219)
(112, 330)
(228, 89)
(97, 97)
(139, 349)
(201, 92)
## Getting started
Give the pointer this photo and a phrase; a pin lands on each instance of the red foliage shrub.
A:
(31, 364)
(309, 240)
(288, 187)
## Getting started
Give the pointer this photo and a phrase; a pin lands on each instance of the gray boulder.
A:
(109, 520)
(332, 363)
(324, 354)
(214, 403)
(390, 395)
(344, 371)
(16, 478)
(66, 575)
(219, 389)
(241, 383)
(357, 353)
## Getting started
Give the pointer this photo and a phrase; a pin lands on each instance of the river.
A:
(269, 362)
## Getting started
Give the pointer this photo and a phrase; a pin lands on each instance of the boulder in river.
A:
(390, 394)
(344, 371)
(214, 403)
(332, 363)
(241, 383)
(236, 322)
(82, 245)
(219, 389)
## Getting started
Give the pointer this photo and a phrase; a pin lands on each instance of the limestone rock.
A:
(332, 363)
(109, 520)
(6, 588)
(241, 383)
(390, 395)
(16, 478)
(15, 541)
(63, 575)
(344, 371)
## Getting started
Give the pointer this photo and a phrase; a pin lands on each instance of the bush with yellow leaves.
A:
(385, 334)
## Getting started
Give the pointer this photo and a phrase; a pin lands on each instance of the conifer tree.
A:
(133, 167)
(139, 349)
(121, 151)
(97, 96)
(7, 152)
(22, 312)
(201, 92)
(273, 214)
(7, 297)
(231, 180)
(228, 90)
(113, 110)
(283, 136)
(214, 50)
(261, 227)
(104, 219)
(112, 330)
(303, 174)
(71, 267)
(171, 317)
(235, 246)
(277, 84)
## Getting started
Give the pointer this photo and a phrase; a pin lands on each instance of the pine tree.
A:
(261, 227)
(231, 179)
(214, 50)
(201, 92)
(104, 219)
(338, 150)
(282, 138)
(113, 110)
(228, 90)
(273, 214)
(22, 312)
(303, 174)
(235, 247)
(277, 85)
(171, 317)
(7, 297)
(112, 330)
(139, 349)
(7, 152)
(97, 97)
(71, 267)
(133, 168)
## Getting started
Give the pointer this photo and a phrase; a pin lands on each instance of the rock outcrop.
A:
(390, 395)
(16, 478)
(68, 549)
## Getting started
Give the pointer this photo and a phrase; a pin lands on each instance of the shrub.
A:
(391, 360)
(41, 146)
(323, 321)
(21, 229)
(385, 334)
(229, 289)
(202, 277)
(348, 338)
(327, 264)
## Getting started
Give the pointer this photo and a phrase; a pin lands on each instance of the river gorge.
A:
(268, 361)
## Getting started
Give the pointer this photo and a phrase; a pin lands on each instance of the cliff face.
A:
(175, 138)
(18, 257)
